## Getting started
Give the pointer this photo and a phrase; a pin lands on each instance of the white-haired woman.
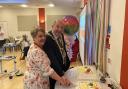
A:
(38, 64)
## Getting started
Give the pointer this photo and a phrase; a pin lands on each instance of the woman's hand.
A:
(62, 82)
(66, 81)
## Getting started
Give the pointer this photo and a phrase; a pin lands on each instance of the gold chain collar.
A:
(60, 48)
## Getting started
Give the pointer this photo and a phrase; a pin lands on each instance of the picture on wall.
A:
(4, 27)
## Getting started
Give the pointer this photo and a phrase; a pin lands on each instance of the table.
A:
(10, 45)
(79, 77)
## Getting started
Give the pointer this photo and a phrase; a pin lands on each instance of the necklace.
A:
(60, 44)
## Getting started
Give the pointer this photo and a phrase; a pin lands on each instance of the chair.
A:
(10, 44)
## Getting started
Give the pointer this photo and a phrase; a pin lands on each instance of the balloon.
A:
(71, 24)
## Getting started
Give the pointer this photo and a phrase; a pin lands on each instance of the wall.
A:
(117, 26)
(10, 15)
(57, 13)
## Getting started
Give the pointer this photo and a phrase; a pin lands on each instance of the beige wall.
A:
(116, 39)
(10, 16)
(56, 13)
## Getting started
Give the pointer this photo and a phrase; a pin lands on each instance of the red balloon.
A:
(71, 24)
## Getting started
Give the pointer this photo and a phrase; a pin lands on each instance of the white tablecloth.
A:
(10, 45)
(78, 75)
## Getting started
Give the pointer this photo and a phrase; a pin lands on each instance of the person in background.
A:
(75, 49)
(38, 64)
(26, 44)
(2, 39)
(56, 51)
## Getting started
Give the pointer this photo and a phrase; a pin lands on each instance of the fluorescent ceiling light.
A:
(24, 5)
(1, 6)
(51, 5)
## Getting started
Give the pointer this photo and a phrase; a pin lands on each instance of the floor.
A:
(17, 81)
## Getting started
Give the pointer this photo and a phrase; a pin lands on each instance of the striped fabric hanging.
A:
(97, 20)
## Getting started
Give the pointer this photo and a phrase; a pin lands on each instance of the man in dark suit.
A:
(56, 51)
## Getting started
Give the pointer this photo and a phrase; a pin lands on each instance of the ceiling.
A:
(41, 3)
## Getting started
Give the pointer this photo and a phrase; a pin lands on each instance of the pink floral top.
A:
(38, 69)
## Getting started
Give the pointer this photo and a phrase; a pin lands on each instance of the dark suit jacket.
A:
(52, 50)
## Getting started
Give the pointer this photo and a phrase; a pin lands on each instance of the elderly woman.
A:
(38, 64)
